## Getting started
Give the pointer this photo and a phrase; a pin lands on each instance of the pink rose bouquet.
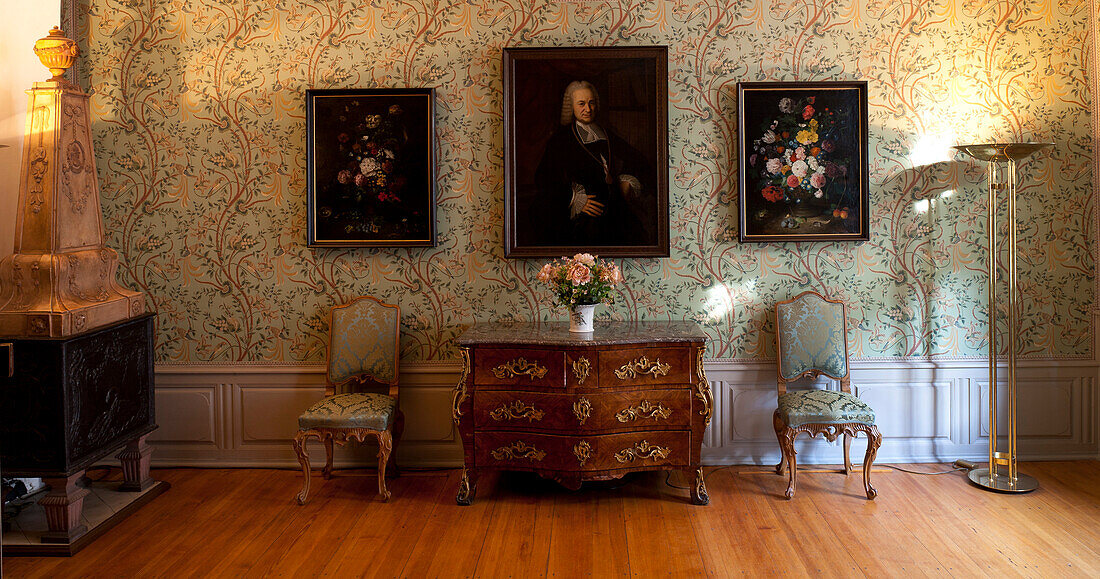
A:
(581, 279)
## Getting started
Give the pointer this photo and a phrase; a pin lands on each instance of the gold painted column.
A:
(60, 280)
(1002, 475)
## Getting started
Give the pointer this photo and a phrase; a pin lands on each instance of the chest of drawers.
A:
(576, 407)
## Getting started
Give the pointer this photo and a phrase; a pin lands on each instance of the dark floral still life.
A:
(373, 172)
(803, 153)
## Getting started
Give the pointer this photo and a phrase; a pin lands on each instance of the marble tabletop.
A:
(558, 334)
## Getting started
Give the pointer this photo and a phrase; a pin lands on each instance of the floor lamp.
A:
(1002, 476)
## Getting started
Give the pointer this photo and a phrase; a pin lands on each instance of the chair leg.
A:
(786, 436)
(385, 446)
(398, 430)
(299, 445)
(327, 471)
(874, 440)
(847, 453)
(780, 468)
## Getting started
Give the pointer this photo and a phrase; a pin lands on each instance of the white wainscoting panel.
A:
(246, 415)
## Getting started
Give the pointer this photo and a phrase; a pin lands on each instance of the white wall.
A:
(23, 22)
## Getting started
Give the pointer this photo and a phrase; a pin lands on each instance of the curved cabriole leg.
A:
(385, 446)
(299, 445)
(792, 463)
(779, 426)
(467, 487)
(699, 489)
(873, 442)
(327, 471)
(847, 453)
(786, 435)
(398, 430)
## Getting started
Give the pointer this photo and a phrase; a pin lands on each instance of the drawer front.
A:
(519, 367)
(526, 450)
(646, 366)
(523, 450)
(591, 411)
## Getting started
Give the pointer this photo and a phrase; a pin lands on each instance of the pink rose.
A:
(793, 181)
(774, 166)
(579, 274)
(545, 273)
(799, 169)
(344, 177)
(611, 274)
(817, 180)
(800, 153)
(585, 258)
(360, 180)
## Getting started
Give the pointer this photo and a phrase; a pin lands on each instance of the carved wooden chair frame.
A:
(387, 439)
(830, 431)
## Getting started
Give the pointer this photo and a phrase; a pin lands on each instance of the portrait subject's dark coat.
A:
(567, 161)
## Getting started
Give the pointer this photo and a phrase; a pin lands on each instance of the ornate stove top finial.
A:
(57, 52)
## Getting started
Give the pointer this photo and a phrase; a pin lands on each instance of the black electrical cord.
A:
(957, 468)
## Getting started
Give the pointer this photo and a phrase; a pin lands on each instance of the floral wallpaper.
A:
(199, 127)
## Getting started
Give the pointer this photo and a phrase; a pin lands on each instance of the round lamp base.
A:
(1002, 484)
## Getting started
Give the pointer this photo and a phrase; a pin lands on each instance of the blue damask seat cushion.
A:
(823, 407)
(352, 410)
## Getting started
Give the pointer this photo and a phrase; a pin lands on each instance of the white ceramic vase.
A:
(580, 318)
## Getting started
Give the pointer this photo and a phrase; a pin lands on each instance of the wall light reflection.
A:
(932, 148)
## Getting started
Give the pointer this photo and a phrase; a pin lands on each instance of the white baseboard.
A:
(928, 411)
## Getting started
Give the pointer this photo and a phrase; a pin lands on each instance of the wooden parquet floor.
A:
(243, 523)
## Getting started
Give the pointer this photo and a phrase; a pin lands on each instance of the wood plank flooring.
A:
(245, 523)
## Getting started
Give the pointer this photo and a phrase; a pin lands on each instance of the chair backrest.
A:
(364, 337)
(811, 339)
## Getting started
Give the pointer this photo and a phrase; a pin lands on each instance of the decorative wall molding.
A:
(928, 411)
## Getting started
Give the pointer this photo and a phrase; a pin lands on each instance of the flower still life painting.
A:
(579, 283)
(803, 161)
(371, 168)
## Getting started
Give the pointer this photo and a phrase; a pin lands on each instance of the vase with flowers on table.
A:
(580, 283)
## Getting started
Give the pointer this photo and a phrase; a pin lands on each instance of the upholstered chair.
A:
(362, 355)
(811, 340)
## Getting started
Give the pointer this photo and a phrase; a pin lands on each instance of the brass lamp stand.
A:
(1002, 476)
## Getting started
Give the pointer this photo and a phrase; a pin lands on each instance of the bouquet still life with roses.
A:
(579, 283)
(800, 172)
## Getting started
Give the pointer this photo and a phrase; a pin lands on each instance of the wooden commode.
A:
(576, 407)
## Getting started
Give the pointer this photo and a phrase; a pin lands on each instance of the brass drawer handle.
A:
(519, 367)
(519, 450)
(644, 410)
(583, 451)
(582, 409)
(517, 411)
(581, 369)
(642, 366)
(642, 450)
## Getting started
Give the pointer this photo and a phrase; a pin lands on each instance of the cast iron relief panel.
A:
(109, 387)
(31, 429)
(73, 401)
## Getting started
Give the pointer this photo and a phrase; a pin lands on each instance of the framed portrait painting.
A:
(371, 168)
(586, 151)
(803, 161)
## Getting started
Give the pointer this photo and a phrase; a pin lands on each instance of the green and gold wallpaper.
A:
(199, 128)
